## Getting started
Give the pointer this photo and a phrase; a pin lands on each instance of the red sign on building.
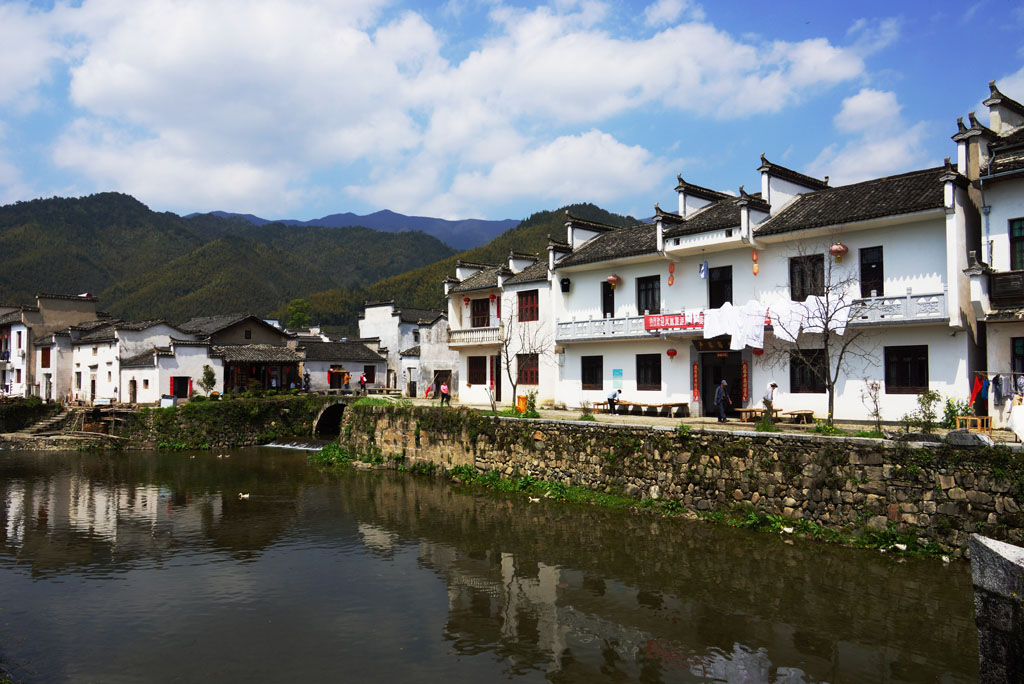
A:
(680, 321)
(695, 385)
(746, 380)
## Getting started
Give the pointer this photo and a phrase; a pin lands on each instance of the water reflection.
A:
(377, 574)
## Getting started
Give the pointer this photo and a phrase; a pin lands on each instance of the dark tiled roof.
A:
(139, 325)
(338, 351)
(99, 333)
(721, 214)
(481, 280)
(589, 225)
(12, 317)
(86, 326)
(1007, 153)
(77, 298)
(622, 242)
(791, 175)
(208, 325)
(698, 191)
(530, 274)
(410, 315)
(257, 353)
(1006, 314)
(144, 360)
(411, 351)
(902, 194)
(996, 97)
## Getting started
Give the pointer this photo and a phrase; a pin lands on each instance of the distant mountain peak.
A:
(460, 234)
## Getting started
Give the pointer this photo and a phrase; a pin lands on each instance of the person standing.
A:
(721, 399)
(613, 398)
(362, 383)
(769, 397)
(446, 398)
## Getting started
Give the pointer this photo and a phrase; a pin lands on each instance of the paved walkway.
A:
(710, 422)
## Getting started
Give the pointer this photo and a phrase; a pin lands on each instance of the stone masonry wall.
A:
(937, 492)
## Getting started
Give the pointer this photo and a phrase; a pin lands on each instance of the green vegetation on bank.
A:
(16, 414)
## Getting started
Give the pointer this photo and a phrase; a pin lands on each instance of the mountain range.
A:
(462, 234)
(144, 264)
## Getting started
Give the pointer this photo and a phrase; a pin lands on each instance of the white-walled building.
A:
(502, 326)
(631, 304)
(173, 370)
(327, 364)
(415, 343)
(993, 158)
(22, 326)
(99, 347)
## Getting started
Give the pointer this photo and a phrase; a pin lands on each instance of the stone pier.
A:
(997, 570)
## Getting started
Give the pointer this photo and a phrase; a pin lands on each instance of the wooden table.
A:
(975, 423)
(801, 415)
(749, 415)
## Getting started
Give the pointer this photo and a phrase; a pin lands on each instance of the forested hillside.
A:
(145, 264)
(422, 287)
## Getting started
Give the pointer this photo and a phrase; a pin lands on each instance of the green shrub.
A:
(373, 401)
(823, 428)
(953, 408)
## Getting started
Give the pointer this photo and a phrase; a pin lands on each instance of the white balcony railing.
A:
(868, 311)
(904, 309)
(469, 336)
(599, 328)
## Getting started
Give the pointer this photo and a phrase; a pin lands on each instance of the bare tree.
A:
(819, 339)
(522, 341)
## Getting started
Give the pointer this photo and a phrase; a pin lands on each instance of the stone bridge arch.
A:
(328, 422)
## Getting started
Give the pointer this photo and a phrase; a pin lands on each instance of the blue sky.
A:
(459, 109)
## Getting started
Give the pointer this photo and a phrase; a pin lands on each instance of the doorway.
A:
(132, 392)
(719, 286)
(607, 299)
(496, 377)
(718, 366)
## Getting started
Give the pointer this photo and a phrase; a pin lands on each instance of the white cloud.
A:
(868, 110)
(28, 51)
(880, 142)
(188, 101)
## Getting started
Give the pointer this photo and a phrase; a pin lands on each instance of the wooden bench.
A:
(750, 415)
(975, 423)
(801, 416)
(668, 410)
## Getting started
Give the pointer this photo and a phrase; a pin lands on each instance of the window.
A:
(906, 369)
(480, 313)
(648, 295)
(477, 370)
(78, 380)
(527, 366)
(145, 383)
(719, 286)
(528, 310)
(648, 372)
(1017, 244)
(19, 340)
(371, 374)
(95, 350)
(872, 275)
(592, 372)
(416, 336)
(806, 372)
(1017, 355)
(44, 357)
(108, 376)
(17, 375)
(248, 334)
(806, 276)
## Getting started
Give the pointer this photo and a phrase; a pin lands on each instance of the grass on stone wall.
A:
(535, 489)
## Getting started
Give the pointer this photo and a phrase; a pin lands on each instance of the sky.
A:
(487, 109)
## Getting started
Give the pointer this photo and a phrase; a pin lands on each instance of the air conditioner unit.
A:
(21, 353)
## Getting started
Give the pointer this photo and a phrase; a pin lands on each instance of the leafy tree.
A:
(209, 379)
(297, 315)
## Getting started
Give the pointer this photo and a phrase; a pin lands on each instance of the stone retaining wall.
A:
(934, 491)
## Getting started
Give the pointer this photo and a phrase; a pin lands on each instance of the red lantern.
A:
(753, 255)
(671, 353)
(465, 300)
(671, 268)
(493, 297)
(758, 352)
(838, 251)
(614, 280)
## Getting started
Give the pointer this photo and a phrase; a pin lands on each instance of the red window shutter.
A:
(190, 387)
(172, 387)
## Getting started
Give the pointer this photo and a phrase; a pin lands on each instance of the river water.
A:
(146, 567)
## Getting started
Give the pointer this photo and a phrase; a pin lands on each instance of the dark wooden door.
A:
(607, 300)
